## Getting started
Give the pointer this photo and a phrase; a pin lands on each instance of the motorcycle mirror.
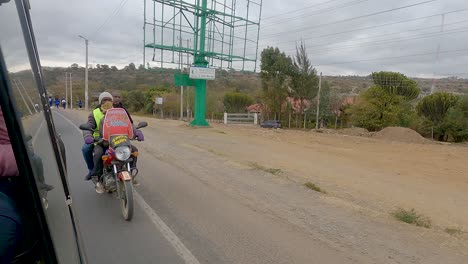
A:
(86, 127)
(141, 125)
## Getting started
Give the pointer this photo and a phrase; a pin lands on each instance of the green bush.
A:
(378, 109)
(236, 102)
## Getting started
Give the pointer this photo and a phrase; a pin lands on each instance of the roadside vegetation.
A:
(412, 217)
(287, 89)
(314, 187)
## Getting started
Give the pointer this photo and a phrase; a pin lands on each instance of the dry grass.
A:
(453, 231)
(412, 217)
(314, 187)
(273, 171)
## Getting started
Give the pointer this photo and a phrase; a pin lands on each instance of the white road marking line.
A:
(172, 238)
(180, 248)
(36, 135)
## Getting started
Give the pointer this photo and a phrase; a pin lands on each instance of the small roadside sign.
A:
(202, 73)
(183, 79)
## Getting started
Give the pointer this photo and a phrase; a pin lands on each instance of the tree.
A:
(434, 108)
(135, 100)
(113, 68)
(304, 81)
(455, 123)
(396, 83)
(131, 67)
(236, 102)
(276, 69)
(325, 99)
(141, 67)
(74, 66)
(376, 109)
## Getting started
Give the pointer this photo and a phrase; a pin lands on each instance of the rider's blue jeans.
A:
(10, 225)
(87, 151)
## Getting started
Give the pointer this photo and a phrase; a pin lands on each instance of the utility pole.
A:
(66, 89)
(442, 23)
(318, 103)
(27, 95)
(71, 91)
(86, 73)
(24, 100)
(181, 87)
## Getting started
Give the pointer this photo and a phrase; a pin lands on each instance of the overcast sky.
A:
(354, 46)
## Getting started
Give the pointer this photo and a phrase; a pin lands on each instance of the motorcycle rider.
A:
(95, 122)
(118, 103)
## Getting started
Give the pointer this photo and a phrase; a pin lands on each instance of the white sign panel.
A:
(159, 100)
(202, 73)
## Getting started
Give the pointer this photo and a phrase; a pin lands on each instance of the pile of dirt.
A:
(400, 134)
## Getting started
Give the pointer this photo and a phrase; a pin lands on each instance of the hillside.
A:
(131, 78)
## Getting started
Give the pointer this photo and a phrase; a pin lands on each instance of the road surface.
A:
(213, 227)
(195, 206)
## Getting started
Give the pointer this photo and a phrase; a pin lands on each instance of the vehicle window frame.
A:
(23, 162)
(19, 145)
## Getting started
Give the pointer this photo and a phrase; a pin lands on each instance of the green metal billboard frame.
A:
(215, 31)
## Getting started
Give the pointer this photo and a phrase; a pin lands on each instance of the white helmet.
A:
(105, 95)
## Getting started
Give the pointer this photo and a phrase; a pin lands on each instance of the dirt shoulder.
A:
(370, 173)
(365, 180)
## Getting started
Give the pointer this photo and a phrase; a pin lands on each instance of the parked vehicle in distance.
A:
(271, 124)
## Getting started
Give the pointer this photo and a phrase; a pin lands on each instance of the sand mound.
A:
(399, 134)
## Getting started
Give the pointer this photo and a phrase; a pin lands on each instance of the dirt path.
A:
(365, 180)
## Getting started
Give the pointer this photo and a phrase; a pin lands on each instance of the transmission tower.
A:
(215, 26)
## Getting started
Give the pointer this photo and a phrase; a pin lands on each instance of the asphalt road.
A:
(108, 238)
(181, 218)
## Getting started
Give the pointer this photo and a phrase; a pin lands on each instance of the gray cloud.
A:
(57, 24)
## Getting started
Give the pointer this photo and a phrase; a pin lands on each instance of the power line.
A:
(325, 10)
(396, 33)
(373, 27)
(386, 41)
(115, 12)
(348, 19)
(317, 12)
(300, 9)
(395, 57)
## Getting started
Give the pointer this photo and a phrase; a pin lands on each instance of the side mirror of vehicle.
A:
(86, 127)
(140, 125)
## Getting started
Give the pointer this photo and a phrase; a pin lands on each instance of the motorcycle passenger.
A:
(118, 103)
(89, 149)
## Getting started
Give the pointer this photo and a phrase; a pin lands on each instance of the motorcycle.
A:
(117, 174)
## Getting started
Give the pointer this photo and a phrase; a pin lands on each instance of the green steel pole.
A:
(200, 61)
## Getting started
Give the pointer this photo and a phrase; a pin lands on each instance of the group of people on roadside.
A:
(62, 102)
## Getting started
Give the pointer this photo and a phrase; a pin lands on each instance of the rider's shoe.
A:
(88, 176)
(99, 187)
(135, 182)
(44, 187)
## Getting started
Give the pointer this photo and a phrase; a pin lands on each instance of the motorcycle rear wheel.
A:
(126, 201)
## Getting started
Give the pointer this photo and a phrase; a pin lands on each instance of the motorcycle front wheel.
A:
(126, 201)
